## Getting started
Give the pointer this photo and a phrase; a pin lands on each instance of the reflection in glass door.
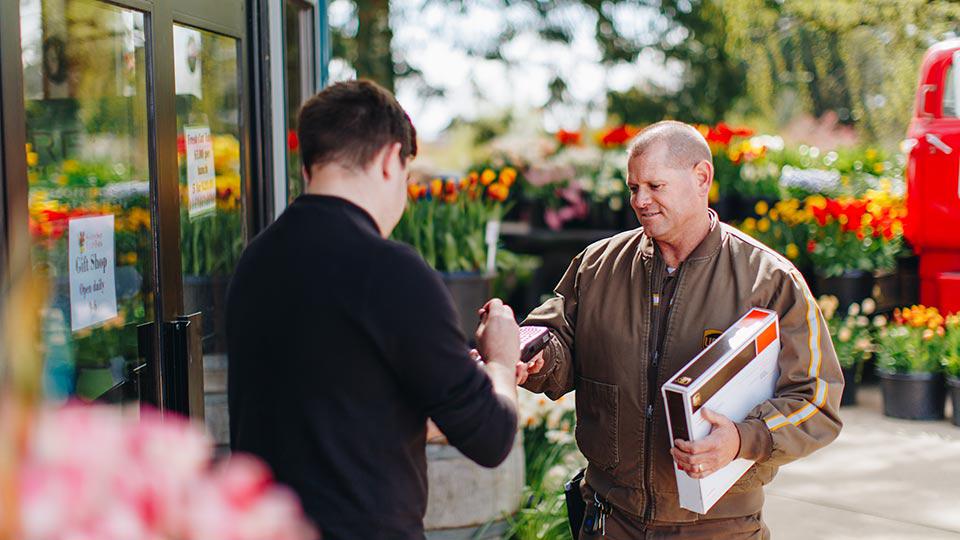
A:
(85, 96)
(298, 24)
(211, 184)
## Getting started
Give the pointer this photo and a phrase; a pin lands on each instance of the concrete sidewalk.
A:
(881, 479)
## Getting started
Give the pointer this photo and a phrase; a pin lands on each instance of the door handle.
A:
(935, 142)
(182, 366)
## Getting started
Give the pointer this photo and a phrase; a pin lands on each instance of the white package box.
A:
(731, 376)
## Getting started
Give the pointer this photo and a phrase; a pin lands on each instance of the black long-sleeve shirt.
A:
(341, 344)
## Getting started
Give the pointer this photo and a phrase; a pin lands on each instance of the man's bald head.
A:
(683, 145)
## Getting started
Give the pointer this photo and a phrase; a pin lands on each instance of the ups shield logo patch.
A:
(709, 336)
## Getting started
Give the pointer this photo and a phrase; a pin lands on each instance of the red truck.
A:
(933, 177)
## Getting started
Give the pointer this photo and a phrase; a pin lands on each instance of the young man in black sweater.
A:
(343, 343)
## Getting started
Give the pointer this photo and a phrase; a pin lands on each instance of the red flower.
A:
(723, 134)
(181, 146)
(292, 141)
(618, 136)
(833, 208)
(567, 138)
(854, 212)
(820, 214)
(811, 245)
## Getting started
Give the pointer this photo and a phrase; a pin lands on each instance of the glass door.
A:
(293, 40)
(85, 97)
(212, 194)
(298, 26)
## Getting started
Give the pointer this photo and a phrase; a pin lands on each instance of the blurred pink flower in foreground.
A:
(92, 473)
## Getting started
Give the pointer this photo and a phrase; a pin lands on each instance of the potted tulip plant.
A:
(454, 225)
(951, 362)
(852, 340)
(909, 351)
(852, 241)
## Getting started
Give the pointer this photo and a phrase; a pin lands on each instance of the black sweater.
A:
(341, 344)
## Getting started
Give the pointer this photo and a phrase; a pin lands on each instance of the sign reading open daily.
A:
(201, 179)
(93, 291)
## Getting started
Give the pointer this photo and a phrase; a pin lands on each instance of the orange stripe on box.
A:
(766, 338)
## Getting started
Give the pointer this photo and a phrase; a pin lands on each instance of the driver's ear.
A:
(704, 172)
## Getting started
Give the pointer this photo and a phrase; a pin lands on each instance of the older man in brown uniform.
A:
(633, 309)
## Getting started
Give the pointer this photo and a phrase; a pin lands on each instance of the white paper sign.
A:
(187, 68)
(201, 180)
(93, 291)
(491, 238)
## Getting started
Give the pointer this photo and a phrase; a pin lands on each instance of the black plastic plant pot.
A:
(886, 290)
(953, 386)
(913, 396)
(470, 291)
(853, 286)
(850, 385)
(726, 208)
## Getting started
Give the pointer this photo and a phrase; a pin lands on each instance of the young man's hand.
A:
(498, 336)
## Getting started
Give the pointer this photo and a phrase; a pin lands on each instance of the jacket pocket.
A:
(598, 419)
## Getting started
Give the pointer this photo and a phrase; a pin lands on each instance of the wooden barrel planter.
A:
(467, 501)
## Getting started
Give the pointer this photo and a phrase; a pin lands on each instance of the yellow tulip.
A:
(792, 251)
(763, 225)
(761, 208)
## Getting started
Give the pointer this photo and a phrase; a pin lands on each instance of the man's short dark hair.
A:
(349, 122)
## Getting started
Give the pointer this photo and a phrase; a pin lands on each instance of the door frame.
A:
(274, 92)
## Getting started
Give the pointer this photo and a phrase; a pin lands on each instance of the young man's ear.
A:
(391, 163)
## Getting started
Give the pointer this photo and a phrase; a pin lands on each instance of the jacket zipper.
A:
(653, 371)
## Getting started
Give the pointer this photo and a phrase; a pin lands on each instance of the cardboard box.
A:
(731, 376)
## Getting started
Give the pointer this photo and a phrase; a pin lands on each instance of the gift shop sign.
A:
(201, 180)
(93, 291)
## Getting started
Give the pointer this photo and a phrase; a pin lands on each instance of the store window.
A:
(85, 96)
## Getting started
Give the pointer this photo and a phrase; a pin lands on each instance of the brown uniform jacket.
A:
(603, 318)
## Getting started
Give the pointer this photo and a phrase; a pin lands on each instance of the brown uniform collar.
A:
(706, 249)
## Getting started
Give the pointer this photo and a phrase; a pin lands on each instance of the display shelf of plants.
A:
(837, 214)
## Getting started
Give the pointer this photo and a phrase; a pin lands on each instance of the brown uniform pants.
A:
(621, 526)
